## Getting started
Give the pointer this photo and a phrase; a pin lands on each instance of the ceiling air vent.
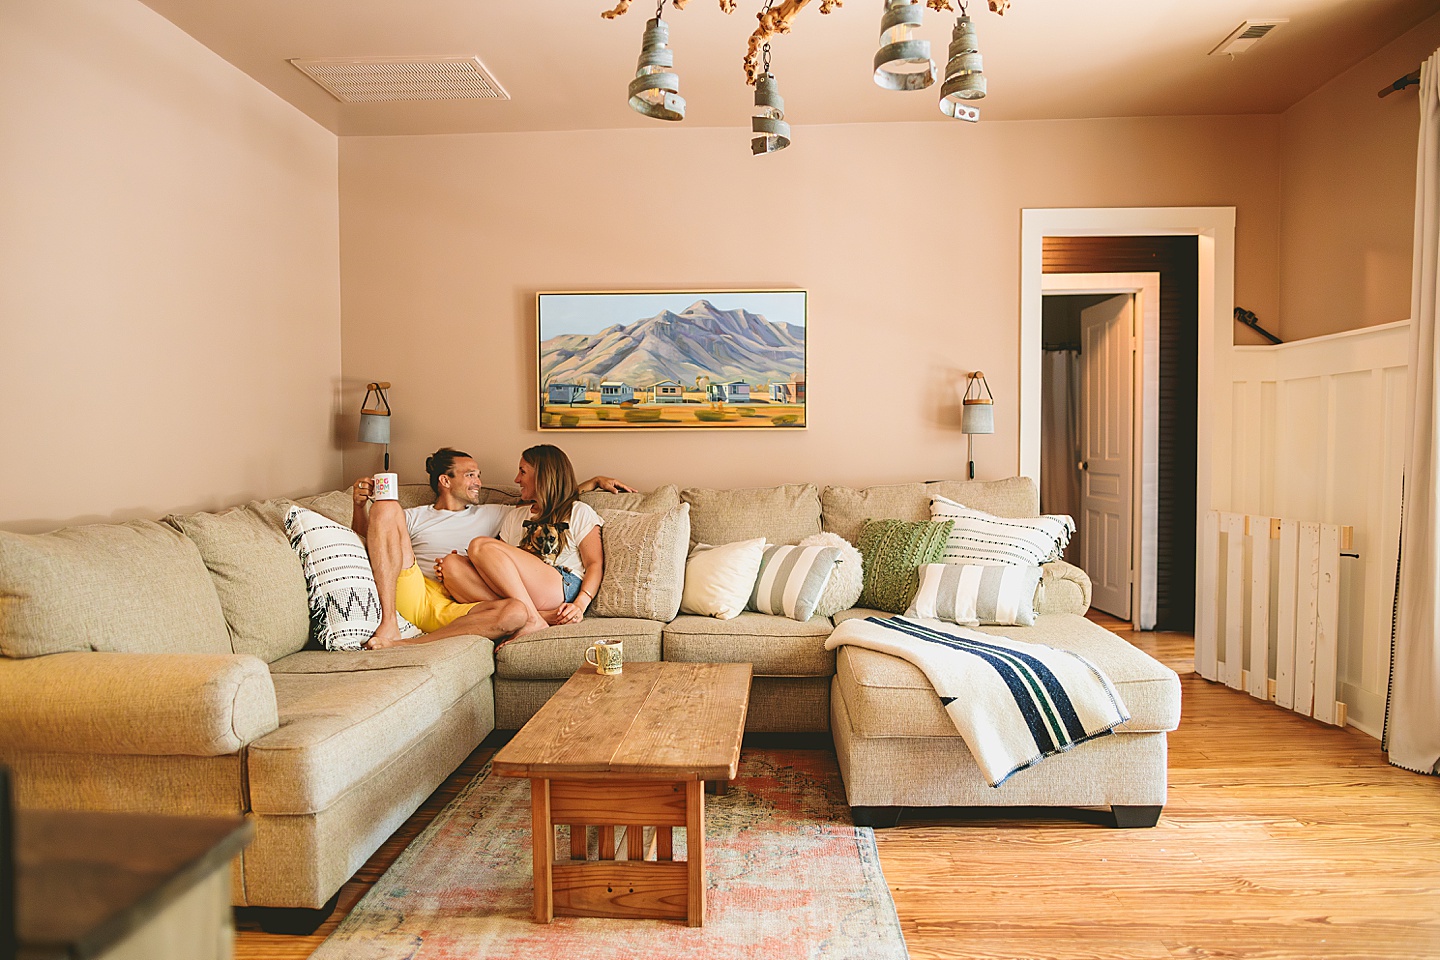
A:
(352, 80)
(1245, 36)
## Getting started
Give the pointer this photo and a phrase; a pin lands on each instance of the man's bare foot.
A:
(386, 636)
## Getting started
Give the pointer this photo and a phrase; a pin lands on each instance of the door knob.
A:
(1083, 465)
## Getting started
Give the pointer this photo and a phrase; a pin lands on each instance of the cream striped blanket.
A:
(1014, 703)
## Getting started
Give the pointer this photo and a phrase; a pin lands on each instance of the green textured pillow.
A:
(894, 551)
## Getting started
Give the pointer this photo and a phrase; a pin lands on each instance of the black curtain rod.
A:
(1409, 80)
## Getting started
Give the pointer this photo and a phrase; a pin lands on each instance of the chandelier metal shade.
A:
(772, 133)
(902, 62)
(964, 79)
(655, 91)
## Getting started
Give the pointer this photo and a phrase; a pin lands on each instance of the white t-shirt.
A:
(435, 533)
(583, 519)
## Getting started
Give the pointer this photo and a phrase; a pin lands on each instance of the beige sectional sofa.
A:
(163, 667)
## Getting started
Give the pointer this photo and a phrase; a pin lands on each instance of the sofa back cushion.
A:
(844, 510)
(783, 514)
(136, 587)
(660, 500)
(257, 576)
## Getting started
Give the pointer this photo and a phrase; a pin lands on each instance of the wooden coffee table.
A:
(631, 750)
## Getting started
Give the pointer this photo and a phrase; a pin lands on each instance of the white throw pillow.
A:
(846, 581)
(791, 580)
(718, 580)
(980, 537)
(973, 593)
(344, 607)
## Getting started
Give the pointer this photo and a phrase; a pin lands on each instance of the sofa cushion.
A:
(889, 697)
(784, 514)
(136, 587)
(337, 730)
(659, 500)
(557, 652)
(775, 646)
(644, 573)
(336, 505)
(257, 577)
(456, 664)
(844, 510)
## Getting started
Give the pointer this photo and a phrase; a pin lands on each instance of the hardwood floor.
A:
(1283, 838)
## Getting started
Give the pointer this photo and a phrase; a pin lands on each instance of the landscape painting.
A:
(719, 360)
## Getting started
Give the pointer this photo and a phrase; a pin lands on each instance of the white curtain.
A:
(1060, 439)
(1412, 719)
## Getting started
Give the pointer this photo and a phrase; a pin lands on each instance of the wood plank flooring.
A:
(1283, 838)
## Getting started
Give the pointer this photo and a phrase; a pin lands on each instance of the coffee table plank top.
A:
(672, 721)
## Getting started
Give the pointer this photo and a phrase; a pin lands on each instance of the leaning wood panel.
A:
(1259, 639)
(1234, 528)
(1327, 624)
(1306, 614)
(1209, 598)
(1285, 616)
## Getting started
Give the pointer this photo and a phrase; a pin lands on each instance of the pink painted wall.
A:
(1348, 195)
(905, 235)
(169, 274)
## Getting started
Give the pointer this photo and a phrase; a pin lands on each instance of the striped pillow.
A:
(973, 593)
(979, 537)
(792, 579)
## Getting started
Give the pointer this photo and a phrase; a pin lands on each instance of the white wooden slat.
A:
(1306, 614)
(1209, 598)
(1234, 528)
(1285, 604)
(1327, 622)
(1259, 638)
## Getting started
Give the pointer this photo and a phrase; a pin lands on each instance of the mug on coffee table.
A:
(609, 656)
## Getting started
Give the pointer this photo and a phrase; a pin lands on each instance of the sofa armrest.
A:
(1064, 588)
(200, 705)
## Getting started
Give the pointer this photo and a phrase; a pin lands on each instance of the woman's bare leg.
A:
(511, 572)
(462, 581)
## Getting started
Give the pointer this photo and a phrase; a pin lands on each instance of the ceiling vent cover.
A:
(353, 80)
(1246, 36)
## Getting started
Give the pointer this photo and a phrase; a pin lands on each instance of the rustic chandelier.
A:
(901, 63)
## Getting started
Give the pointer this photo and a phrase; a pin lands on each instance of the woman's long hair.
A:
(555, 493)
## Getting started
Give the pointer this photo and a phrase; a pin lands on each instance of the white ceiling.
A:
(567, 69)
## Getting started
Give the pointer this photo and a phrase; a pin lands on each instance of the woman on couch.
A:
(548, 553)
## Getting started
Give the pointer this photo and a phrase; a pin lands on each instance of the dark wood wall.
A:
(1176, 260)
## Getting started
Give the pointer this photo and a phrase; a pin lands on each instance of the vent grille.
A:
(1245, 36)
(403, 78)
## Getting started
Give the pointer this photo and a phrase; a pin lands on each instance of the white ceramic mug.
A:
(609, 656)
(387, 486)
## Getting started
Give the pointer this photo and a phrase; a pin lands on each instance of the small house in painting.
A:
(731, 391)
(668, 391)
(792, 391)
(566, 393)
(613, 391)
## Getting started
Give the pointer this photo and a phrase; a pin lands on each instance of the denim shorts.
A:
(569, 584)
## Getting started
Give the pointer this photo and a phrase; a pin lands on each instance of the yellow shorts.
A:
(424, 602)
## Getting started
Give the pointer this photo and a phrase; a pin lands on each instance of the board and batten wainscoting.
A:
(1318, 433)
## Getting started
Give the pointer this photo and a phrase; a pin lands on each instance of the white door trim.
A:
(1215, 228)
(1145, 288)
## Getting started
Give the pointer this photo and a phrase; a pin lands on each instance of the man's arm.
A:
(360, 499)
(608, 484)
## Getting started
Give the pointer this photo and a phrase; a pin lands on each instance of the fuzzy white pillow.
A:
(718, 580)
(847, 579)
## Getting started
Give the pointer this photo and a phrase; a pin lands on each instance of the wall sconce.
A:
(375, 421)
(977, 413)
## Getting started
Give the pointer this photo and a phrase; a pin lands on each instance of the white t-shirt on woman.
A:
(583, 519)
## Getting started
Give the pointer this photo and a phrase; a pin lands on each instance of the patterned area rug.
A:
(788, 877)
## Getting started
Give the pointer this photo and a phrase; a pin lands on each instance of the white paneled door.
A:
(1107, 365)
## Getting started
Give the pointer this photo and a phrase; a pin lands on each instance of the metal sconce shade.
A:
(977, 412)
(903, 63)
(374, 427)
(772, 133)
(964, 79)
(655, 91)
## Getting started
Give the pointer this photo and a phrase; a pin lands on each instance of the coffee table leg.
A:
(542, 833)
(695, 851)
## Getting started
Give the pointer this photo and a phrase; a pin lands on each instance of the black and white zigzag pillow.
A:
(344, 607)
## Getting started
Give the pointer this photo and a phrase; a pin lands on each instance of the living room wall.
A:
(905, 235)
(169, 274)
(1348, 196)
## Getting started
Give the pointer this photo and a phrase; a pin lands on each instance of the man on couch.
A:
(404, 545)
